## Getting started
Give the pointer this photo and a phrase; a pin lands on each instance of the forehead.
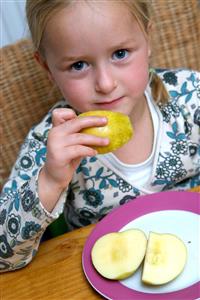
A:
(83, 22)
(90, 9)
(82, 15)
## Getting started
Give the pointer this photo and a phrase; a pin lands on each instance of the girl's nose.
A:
(105, 81)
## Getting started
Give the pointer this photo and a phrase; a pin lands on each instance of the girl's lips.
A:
(110, 103)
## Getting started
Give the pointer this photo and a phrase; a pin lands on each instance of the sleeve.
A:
(23, 219)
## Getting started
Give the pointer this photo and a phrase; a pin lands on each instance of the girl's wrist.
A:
(51, 181)
(49, 190)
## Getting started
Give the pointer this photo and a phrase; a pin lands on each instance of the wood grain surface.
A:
(55, 273)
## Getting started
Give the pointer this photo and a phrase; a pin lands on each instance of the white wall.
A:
(13, 21)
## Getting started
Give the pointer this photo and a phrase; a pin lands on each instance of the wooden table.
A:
(54, 274)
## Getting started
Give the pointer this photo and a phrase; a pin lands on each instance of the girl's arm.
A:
(38, 183)
(22, 217)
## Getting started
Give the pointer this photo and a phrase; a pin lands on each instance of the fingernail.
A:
(104, 119)
(106, 141)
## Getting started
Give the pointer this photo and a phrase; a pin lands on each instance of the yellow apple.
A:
(118, 129)
(165, 258)
(118, 255)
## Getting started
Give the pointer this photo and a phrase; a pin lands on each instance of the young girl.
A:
(97, 53)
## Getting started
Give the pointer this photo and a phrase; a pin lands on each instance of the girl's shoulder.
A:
(179, 79)
(183, 87)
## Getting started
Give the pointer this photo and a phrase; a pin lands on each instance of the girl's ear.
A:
(43, 64)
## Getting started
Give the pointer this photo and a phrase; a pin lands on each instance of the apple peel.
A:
(118, 129)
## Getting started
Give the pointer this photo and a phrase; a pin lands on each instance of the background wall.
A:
(13, 21)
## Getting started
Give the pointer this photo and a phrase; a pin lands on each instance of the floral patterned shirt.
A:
(97, 187)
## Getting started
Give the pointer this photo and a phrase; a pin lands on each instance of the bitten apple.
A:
(118, 255)
(165, 258)
(118, 129)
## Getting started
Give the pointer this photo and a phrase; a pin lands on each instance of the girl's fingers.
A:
(76, 140)
(76, 124)
(69, 122)
(61, 115)
(85, 139)
(78, 151)
(66, 132)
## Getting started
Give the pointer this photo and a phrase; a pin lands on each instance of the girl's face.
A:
(98, 56)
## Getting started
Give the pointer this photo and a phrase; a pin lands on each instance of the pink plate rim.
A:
(118, 218)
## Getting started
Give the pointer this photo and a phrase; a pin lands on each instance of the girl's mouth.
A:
(110, 103)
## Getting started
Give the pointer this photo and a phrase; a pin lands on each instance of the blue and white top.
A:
(102, 183)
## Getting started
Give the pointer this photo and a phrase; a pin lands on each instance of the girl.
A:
(99, 61)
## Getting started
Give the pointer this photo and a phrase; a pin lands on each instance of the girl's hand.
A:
(66, 146)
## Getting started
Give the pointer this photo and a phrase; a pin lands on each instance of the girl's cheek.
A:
(76, 93)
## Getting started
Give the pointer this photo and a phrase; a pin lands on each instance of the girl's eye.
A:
(120, 54)
(79, 65)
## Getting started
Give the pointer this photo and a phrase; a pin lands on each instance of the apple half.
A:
(118, 129)
(165, 258)
(118, 255)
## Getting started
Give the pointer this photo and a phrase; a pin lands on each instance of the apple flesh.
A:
(118, 129)
(165, 258)
(118, 255)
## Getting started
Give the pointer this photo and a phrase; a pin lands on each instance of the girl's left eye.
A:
(120, 54)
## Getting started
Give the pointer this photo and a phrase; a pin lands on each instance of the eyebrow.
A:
(73, 58)
(83, 57)
(121, 44)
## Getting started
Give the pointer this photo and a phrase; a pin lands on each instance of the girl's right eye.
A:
(79, 66)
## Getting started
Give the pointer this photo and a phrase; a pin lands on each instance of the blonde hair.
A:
(38, 13)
